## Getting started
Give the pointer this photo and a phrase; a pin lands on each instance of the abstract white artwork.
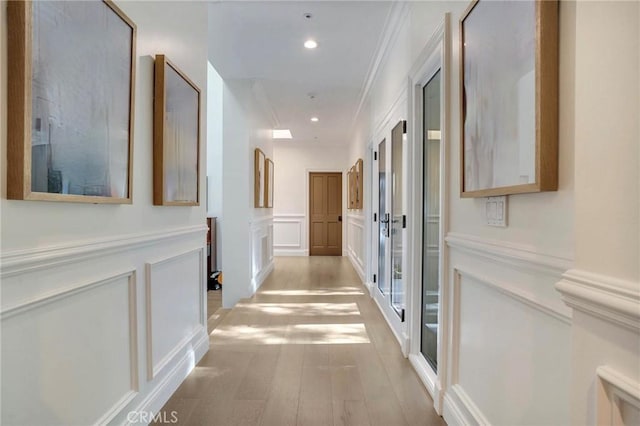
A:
(81, 99)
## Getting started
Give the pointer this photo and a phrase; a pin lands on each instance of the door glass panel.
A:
(431, 220)
(382, 222)
(397, 279)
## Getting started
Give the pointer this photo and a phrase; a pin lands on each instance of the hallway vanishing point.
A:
(309, 348)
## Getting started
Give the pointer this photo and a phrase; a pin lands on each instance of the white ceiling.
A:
(263, 41)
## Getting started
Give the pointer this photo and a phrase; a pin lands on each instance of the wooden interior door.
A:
(325, 214)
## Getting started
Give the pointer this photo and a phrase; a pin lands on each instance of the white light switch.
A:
(496, 211)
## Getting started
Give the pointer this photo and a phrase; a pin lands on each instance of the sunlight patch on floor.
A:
(335, 291)
(295, 334)
(303, 309)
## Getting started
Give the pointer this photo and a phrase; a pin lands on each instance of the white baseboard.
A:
(369, 286)
(156, 399)
(429, 380)
(262, 275)
(403, 340)
(459, 409)
(356, 266)
(290, 252)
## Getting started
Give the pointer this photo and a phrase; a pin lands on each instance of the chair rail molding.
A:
(609, 298)
(510, 254)
(30, 260)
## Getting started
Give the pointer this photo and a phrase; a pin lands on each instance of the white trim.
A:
(392, 26)
(606, 297)
(383, 130)
(71, 291)
(510, 254)
(257, 281)
(433, 58)
(352, 258)
(288, 253)
(429, 379)
(257, 222)
(514, 293)
(403, 340)
(170, 383)
(30, 260)
(153, 369)
(459, 408)
(614, 389)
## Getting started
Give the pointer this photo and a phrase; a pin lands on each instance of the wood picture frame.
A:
(509, 98)
(176, 136)
(352, 188)
(359, 166)
(70, 122)
(259, 179)
(268, 190)
(349, 189)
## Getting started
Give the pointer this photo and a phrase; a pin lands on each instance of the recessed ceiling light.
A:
(281, 134)
(314, 119)
(310, 44)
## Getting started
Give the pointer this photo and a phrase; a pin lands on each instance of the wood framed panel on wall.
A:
(352, 188)
(509, 98)
(359, 166)
(70, 123)
(176, 137)
(259, 179)
(268, 190)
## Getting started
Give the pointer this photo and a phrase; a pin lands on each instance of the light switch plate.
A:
(496, 211)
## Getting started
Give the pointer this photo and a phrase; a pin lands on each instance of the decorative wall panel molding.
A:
(23, 261)
(515, 294)
(68, 373)
(289, 235)
(261, 250)
(355, 246)
(464, 411)
(510, 254)
(608, 298)
(158, 289)
(617, 394)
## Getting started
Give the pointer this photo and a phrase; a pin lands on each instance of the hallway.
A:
(309, 348)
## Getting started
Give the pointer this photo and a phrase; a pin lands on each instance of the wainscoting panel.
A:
(174, 306)
(355, 246)
(57, 348)
(510, 341)
(290, 235)
(261, 250)
(96, 329)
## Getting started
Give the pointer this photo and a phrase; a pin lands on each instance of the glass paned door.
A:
(397, 219)
(383, 217)
(431, 139)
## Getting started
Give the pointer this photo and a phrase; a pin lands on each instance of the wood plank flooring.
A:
(310, 348)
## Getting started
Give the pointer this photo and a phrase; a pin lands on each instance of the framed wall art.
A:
(509, 97)
(352, 188)
(70, 101)
(259, 179)
(176, 137)
(268, 196)
(359, 184)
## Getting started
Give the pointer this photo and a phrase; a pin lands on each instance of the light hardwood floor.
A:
(310, 348)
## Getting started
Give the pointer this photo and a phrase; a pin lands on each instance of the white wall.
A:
(500, 297)
(293, 162)
(103, 307)
(246, 231)
(215, 87)
(604, 286)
